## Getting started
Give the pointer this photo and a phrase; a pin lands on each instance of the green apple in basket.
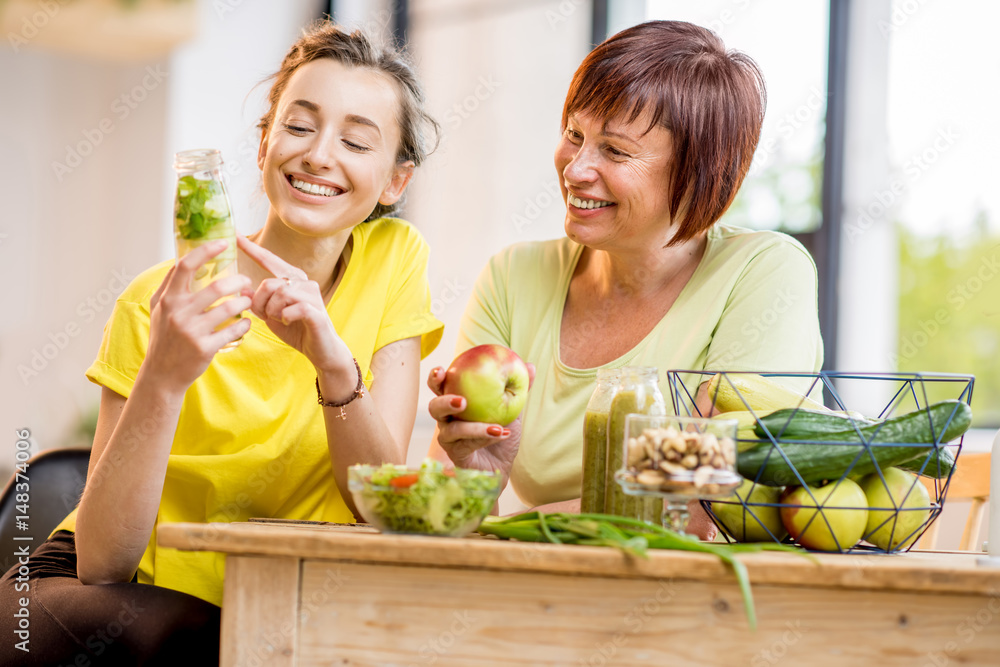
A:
(898, 508)
(753, 523)
(832, 517)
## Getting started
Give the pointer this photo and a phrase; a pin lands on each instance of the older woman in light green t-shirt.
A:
(659, 130)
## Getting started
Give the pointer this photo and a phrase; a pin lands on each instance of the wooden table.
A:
(337, 595)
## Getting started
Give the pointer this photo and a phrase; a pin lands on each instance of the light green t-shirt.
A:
(749, 306)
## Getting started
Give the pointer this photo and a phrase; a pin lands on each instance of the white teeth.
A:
(586, 203)
(314, 189)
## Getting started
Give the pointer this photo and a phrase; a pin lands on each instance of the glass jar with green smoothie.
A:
(639, 393)
(595, 440)
(202, 214)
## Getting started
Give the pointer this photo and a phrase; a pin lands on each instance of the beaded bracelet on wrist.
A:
(359, 392)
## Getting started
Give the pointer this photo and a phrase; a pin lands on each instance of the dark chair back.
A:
(55, 480)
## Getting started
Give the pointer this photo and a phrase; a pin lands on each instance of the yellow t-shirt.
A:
(749, 306)
(251, 440)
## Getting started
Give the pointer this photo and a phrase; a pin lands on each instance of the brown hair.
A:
(711, 100)
(325, 39)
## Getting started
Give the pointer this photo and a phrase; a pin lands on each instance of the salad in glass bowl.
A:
(428, 500)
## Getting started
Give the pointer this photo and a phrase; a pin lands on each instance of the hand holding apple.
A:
(469, 444)
(494, 382)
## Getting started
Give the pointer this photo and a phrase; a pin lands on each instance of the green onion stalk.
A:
(631, 536)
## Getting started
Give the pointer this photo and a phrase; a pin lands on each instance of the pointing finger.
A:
(268, 261)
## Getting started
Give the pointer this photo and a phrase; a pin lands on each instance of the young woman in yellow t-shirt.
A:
(334, 297)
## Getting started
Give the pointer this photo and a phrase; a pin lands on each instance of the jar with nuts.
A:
(677, 459)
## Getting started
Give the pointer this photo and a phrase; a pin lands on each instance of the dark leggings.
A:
(69, 623)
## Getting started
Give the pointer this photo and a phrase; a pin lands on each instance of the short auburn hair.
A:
(325, 39)
(711, 100)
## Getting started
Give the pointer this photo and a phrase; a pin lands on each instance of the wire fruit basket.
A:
(868, 473)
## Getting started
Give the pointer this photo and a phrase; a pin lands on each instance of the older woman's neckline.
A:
(632, 277)
(625, 321)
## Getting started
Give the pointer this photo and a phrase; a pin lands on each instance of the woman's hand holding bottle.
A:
(183, 338)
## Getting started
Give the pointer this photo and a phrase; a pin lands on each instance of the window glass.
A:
(788, 40)
(941, 121)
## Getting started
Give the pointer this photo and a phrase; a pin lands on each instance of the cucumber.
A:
(804, 424)
(932, 469)
(823, 459)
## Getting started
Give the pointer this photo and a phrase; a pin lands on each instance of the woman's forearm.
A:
(360, 438)
(122, 496)
(376, 427)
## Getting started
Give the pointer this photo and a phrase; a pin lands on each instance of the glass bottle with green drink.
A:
(202, 214)
(595, 440)
(639, 394)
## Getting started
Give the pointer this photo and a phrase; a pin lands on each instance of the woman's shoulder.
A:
(141, 288)
(529, 258)
(746, 244)
(388, 232)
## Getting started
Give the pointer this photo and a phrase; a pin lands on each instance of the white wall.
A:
(496, 73)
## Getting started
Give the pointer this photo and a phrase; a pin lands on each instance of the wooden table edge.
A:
(915, 572)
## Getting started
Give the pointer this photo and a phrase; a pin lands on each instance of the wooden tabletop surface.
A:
(932, 572)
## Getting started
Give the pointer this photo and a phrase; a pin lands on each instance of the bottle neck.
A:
(635, 376)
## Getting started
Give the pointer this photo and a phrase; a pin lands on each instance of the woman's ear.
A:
(262, 151)
(401, 175)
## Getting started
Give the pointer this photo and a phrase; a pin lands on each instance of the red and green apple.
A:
(494, 381)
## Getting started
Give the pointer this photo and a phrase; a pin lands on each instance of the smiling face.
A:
(614, 179)
(330, 154)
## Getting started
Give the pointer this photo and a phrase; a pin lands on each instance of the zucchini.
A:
(747, 391)
(824, 459)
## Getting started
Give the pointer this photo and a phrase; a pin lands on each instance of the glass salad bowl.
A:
(428, 500)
